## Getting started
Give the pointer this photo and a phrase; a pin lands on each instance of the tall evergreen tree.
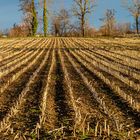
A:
(45, 20)
(34, 19)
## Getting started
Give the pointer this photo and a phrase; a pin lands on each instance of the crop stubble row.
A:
(65, 87)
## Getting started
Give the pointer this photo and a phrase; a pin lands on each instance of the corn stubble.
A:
(69, 88)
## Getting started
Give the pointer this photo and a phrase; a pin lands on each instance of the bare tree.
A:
(26, 8)
(133, 7)
(18, 31)
(108, 22)
(55, 26)
(89, 31)
(30, 15)
(64, 18)
(74, 29)
(124, 28)
(61, 23)
(81, 9)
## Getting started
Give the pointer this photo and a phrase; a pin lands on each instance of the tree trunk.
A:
(45, 23)
(137, 24)
(83, 25)
(34, 19)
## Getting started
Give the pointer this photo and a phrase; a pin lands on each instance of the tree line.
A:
(61, 22)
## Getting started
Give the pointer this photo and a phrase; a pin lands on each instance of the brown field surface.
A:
(69, 88)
